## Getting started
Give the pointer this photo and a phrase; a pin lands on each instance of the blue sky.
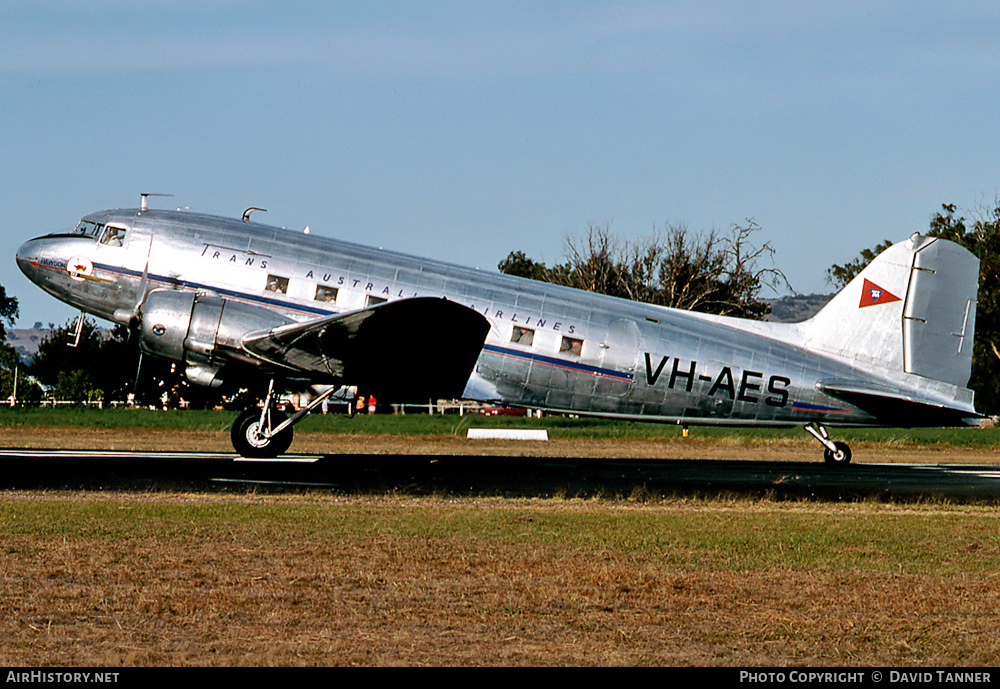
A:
(465, 130)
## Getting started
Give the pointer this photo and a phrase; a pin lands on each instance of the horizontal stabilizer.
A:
(898, 407)
(407, 350)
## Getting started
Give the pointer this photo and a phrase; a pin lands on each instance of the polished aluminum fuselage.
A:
(586, 353)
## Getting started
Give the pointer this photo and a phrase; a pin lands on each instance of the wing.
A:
(407, 350)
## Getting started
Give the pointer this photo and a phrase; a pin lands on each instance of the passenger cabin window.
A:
(327, 294)
(522, 336)
(372, 301)
(571, 346)
(276, 283)
(113, 236)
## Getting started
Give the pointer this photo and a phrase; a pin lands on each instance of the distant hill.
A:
(25, 340)
(797, 308)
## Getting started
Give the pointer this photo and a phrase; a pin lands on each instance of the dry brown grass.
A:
(242, 595)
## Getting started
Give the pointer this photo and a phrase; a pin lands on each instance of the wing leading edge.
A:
(407, 350)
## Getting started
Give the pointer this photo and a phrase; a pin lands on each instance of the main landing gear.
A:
(835, 453)
(266, 432)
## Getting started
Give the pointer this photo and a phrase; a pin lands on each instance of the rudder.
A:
(939, 318)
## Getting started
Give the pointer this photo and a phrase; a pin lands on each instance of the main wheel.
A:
(840, 457)
(248, 441)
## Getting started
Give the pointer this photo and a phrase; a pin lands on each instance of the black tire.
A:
(247, 442)
(839, 458)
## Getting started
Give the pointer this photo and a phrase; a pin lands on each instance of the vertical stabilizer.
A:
(911, 310)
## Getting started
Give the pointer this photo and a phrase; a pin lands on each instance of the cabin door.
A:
(619, 354)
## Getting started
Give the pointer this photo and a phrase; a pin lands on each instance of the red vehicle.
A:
(504, 411)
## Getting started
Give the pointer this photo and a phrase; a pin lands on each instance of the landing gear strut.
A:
(267, 432)
(835, 453)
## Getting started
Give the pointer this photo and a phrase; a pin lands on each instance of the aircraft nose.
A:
(27, 258)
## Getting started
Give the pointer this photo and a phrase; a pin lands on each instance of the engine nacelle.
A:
(195, 329)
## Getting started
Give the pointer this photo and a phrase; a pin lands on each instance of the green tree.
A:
(712, 273)
(840, 275)
(9, 364)
(103, 365)
(8, 313)
(11, 368)
(97, 367)
(982, 239)
(517, 263)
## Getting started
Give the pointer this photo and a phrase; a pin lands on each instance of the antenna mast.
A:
(144, 204)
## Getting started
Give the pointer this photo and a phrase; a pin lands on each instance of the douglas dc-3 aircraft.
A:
(235, 301)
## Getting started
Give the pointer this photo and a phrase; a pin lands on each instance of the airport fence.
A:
(337, 406)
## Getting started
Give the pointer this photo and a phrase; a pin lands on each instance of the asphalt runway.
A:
(487, 475)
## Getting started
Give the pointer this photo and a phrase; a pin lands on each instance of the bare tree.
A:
(713, 272)
(593, 262)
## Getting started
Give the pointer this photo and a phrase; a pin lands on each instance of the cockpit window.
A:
(104, 234)
(88, 228)
(113, 236)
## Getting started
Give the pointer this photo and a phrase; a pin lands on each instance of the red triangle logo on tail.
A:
(872, 294)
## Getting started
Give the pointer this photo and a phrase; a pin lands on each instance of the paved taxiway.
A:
(490, 475)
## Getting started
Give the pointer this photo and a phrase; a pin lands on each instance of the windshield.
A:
(107, 234)
(88, 228)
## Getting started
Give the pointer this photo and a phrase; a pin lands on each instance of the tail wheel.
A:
(248, 440)
(841, 456)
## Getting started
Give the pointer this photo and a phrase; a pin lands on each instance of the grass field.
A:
(311, 578)
(453, 425)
